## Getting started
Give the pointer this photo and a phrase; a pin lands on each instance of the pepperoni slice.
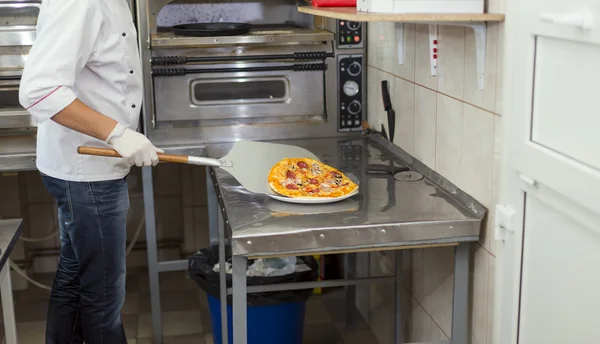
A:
(314, 181)
(302, 164)
(292, 186)
(317, 190)
(290, 174)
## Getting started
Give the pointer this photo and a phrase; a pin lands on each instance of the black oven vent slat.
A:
(9, 77)
(298, 56)
(308, 67)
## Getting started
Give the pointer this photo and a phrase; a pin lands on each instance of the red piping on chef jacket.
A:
(46, 96)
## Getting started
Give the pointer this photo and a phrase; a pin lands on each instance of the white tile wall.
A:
(385, 54)
(479, 310)
(376, 114)
(456, 129)
(451, 61)
(425, 125)
(403, 99)
(433, 278)
(477, 158)
(490, 300)
(449, 138)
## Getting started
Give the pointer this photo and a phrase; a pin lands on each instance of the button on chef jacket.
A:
(85, 49)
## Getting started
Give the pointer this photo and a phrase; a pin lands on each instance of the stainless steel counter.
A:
(10, 230)
(386, 212)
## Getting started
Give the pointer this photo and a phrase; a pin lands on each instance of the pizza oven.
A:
(284, 76)
(18, 19)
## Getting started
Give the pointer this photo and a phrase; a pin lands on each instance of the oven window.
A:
(240, 90)
(9, 98)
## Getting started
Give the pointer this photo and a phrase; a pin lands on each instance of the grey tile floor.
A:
(185, 314)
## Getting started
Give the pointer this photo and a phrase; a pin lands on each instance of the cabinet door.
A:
(549, 263)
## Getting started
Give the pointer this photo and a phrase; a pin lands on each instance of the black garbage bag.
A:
(200, 268)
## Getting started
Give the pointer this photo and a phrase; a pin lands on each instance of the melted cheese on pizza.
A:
(304, 177)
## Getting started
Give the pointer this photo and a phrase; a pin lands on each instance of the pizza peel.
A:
(248, 161)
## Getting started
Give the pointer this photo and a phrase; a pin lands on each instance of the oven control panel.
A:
(350, 34)
(351, 90)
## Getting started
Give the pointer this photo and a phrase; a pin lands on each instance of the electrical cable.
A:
(23, 274)
(54, 233)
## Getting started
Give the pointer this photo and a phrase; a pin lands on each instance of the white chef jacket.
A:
(85, 49)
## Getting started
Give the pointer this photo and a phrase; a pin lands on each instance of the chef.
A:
(82, 83)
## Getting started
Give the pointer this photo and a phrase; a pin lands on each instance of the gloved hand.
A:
(134, 147)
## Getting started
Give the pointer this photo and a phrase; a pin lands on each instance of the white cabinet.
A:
(421, 6)
(547, 263)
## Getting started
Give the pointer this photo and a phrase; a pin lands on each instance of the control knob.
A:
(354, 68)
(355, 107)
(353, 25)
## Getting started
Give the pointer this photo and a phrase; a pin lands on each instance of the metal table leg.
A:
(460, 307)
(8, 310)
(349, 273)
(213, 208)
(152, 253)
(399, 330)
(239, 300)
(222, 280)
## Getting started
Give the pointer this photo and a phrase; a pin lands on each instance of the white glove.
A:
(134, 147)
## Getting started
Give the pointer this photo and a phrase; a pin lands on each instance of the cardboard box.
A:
(421, 6)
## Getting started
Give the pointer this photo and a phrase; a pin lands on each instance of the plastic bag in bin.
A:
(334, 3)
(201, 269)
(269, 267)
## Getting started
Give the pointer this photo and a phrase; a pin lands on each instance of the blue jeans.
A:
(89, 287)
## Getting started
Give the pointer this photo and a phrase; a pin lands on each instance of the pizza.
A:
(304, 177)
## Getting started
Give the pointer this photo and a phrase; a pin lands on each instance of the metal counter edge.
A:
(464, 199)
(6, 251)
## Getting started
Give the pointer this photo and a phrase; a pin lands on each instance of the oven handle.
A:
(301, 56)
(183, 71)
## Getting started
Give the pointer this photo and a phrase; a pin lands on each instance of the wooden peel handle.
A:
(107, 152)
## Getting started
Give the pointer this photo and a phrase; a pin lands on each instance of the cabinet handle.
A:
(583, 20)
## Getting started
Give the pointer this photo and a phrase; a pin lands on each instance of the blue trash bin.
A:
(272, 324)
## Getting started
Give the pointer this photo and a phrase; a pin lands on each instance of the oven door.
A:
(229, 95)
(12, 115)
